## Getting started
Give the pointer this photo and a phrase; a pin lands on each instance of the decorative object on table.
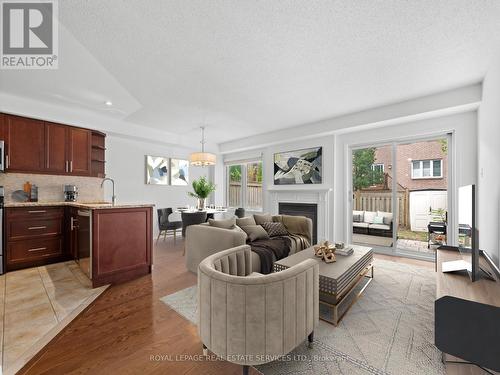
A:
(202, 159)
(298, 167)
(202, 189)
(339, 245)
(179, 172)
(346, 251)
(157, 168)
(325, 251)
(20, 196)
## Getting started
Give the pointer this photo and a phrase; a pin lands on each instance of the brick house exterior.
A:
(406, 154)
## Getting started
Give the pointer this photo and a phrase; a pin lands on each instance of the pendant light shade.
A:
(202, 159)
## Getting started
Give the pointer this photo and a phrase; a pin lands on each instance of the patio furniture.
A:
(248, 318)
(338, 280)
(164, 225)
(363, 223)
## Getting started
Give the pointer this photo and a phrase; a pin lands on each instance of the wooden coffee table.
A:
(340, 283)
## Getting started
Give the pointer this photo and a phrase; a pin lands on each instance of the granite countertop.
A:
(88, 205)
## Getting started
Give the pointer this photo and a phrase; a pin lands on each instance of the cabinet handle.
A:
(73, 221)
(37, 212)
(33, 228)
(6, 161)
(67, 169)
(38, 249)
(71, 165)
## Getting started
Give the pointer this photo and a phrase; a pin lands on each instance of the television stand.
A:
(467, 315)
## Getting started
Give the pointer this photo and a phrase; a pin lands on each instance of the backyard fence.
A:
(253, 197)
(378, 200)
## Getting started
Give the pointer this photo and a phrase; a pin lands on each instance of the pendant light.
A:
(202, 159)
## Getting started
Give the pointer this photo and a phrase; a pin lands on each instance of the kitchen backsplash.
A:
(50, 187)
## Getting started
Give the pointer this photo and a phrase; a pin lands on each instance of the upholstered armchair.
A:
(248, 318)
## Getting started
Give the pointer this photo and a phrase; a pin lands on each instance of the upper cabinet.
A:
(25, 144)
(37, 146)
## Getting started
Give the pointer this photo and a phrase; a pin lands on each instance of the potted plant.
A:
(202, 189)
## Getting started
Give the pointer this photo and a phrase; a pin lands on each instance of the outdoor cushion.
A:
(360, 225)
(380, 226)
(249, 220)
(361, 215)
(387, 217)
(225, 224)
(378, 220)
(356, 218)
(369, 216)
(255, 232)
(261, 219)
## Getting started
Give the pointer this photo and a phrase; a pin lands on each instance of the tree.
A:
(235, 173)
(363, 174)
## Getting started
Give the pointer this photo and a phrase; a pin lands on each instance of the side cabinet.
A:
(34, 236)
(121, 244)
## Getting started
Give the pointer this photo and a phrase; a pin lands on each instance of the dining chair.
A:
(239, 212)
(164, 225)
(191, 218)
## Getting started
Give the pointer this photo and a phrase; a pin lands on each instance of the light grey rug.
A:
(389, 330)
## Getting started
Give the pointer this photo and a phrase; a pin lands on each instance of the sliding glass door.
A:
(400, 196)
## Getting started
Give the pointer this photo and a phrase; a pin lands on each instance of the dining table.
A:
(210, 211)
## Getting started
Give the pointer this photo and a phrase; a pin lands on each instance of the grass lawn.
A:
(407, 234)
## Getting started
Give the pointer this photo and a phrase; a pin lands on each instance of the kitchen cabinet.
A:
(37, 146)
(25, 144)
(56, 154)
(79, 146)
(34, 236)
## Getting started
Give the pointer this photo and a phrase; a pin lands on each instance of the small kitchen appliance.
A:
(70, 193)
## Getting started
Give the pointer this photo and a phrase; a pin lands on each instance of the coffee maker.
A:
(70, 193)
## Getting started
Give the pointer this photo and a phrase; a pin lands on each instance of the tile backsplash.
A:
(50, 187)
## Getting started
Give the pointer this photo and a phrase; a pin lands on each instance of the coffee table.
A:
(340, 283)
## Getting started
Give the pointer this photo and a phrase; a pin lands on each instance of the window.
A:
(378, 167)
(426, 169)
(244, 185)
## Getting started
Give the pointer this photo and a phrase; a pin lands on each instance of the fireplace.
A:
(309, 210)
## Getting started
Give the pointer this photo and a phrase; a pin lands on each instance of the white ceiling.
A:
(248, 67)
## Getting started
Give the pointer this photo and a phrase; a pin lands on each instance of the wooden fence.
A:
(253, 197)
(381, 200)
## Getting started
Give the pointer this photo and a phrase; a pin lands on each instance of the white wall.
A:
(125, 163)
(489, 163)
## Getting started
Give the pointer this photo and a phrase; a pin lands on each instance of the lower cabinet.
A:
(34, 236)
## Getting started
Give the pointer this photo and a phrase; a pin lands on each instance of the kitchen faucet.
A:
(113, 198)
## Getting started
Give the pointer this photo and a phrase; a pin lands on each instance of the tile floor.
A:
(34, 301)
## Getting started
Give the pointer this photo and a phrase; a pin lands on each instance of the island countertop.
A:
(87, 205)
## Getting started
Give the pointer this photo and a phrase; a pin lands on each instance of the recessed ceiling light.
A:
(108, 103)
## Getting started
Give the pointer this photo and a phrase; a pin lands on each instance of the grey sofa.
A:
(250, 319)
(204, 240)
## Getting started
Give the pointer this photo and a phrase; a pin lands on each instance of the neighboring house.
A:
(421, 165)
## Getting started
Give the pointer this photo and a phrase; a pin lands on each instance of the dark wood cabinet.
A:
(37, 146)
(79, 148)
(25, 144)
(56, 148)
(34, 236)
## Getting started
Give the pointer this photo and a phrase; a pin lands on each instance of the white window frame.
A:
(244, 181)
(378, 165)
(421, 168)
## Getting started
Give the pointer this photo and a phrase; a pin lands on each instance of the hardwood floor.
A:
(127, 328)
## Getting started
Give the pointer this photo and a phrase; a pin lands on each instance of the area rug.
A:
(389, 330)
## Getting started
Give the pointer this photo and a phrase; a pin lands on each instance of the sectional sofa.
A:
(375, 223)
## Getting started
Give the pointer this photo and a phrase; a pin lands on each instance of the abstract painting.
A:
(298, 167)
(157, 170)
(179, 170)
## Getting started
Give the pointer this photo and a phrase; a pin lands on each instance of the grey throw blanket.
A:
(265, 249)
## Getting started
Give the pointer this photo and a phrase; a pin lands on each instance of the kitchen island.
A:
(111, 243)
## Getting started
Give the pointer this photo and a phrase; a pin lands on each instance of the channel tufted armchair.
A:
(248, 318)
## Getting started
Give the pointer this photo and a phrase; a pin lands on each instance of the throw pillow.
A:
(255, 232)
(356, 218)
(226, 224)
(378, 220)
(261, 219)
(369, 216)
(387, 220)
(275, 229)
(249, 220)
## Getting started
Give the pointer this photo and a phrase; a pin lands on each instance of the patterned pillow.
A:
(378, 220)
(275, 229)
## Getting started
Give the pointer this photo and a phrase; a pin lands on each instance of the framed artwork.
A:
(298, 167)
(157, 170)
(179, 172)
